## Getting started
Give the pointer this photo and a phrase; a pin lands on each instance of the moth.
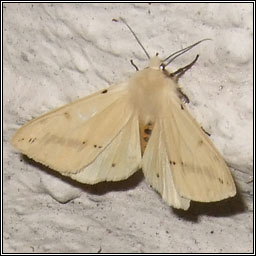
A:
(142, 123)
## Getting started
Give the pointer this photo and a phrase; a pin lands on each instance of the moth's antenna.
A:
(174, 55)
(137, 39)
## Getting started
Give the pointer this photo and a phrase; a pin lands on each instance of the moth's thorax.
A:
(150, 91)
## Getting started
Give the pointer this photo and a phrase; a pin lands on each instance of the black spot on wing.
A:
(104, 91)
(148, 131)
(220, 180)
(96, 146)
(146, 139)
(67, 115)
(32, 140)
(172, 162)
(200, 142)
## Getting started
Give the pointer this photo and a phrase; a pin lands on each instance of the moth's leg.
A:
(183, 96)
(181, 71)
(207, 133)
(137, 69)
(178, 73)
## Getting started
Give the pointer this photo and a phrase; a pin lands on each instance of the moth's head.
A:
(159, 64)
(155, 62)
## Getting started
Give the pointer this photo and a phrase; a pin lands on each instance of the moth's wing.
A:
(71, 137)
(199, 171)
(157, 170)
(120, 159)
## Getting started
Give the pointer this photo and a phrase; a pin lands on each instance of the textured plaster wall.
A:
(56, 53)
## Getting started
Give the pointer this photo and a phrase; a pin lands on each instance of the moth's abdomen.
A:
(145, 133)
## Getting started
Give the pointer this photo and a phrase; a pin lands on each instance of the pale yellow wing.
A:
(119, 160)
(71, 137)
(199, 171)
(157, 170)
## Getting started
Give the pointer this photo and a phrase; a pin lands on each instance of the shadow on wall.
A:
(224, 208)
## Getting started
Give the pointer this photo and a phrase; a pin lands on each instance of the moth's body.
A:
(141, 124)
(150, 92)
